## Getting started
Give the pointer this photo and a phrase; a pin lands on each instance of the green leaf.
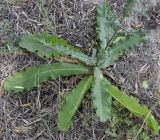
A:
(106, 24)
(128, 7)
(33, 76)
(152, 123)
(73, 101)
(49, 46)
(122, 45)
(145, 84)
(132, 105)
(102, 100)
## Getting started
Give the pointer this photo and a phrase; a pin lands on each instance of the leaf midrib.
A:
(64, 69)
(82, 91)
(52, 71)
(100, 92)
(130, 108)
(74, 55)
(99, 80)
(124, 44)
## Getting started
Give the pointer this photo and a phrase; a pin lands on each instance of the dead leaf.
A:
(66, 59)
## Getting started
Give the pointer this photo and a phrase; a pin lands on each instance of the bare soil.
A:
(32, 115)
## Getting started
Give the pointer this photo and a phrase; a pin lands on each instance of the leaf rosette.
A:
(112, 46)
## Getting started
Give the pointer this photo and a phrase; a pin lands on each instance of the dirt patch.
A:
(32, 115)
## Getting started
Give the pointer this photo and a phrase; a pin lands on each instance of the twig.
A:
(135, 138)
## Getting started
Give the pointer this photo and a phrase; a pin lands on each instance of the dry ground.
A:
(73, 20)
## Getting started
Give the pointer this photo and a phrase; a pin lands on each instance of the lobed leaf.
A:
(122, 45)
(73, 101)
(49, 46)
(33, 76)
(132, 105)
(106, 24)
(102, 100)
